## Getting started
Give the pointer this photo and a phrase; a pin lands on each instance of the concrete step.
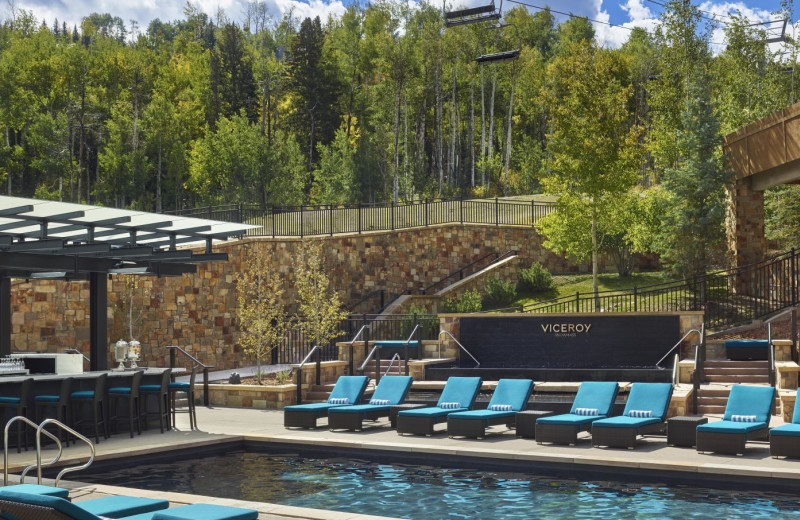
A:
(324, 387)
(736, 371)
(724, 363)
(737, 378)
(316, 396)
(710, 409)
(711, 401)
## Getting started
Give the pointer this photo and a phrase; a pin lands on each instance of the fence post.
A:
(577, 301)
(272, 207)
(299, 385)
(425, 205)
(635, 303)
(319, 365)
(392, 210)
(533, 212)
(462, 210)
(359, 218)
(332, 217)
(794, 279)
(302, 207)
(497, 211)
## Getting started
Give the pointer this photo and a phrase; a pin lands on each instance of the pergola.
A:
(42, 239)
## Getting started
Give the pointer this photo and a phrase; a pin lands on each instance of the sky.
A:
(626, 13)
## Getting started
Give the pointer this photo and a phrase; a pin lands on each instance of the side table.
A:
(526, 422)
(682, 430)
(393, 411)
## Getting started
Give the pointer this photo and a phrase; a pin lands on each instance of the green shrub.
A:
(534, 279)
(419, 315)
(470, 301)
(498, 293)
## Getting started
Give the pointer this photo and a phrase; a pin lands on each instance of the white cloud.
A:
(144, 11)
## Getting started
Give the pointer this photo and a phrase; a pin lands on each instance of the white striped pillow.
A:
(646, 414)
(501, 408)
(380, 402)
(587, 411)
(744, 418)
(450, 406)
(338, 400)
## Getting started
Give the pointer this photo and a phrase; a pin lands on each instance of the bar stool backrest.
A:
(65, 391)
(192, 378)
(100, 387)
(136, 382)
(166, 377)
(25, 391)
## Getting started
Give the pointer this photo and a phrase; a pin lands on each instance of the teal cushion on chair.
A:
(599, 395)
(122, 506)
(84, 394)
(750, 400)
(36, 489)
(9, 400)
(150, 388)
(178, 386)
(46, 398)
(65, 507)
(120, 390)
(199, 512)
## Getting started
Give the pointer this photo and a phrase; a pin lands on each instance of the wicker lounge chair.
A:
(510, 396)
(592, 402)
(391, 390)
(747, 416)
(784, 441)
(115, 506)
(458, 395)
(645, 412)
(27, 506)
(347, 392)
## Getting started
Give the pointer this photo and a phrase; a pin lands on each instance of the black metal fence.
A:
(310, 220)
(729, 298)
(294, 347)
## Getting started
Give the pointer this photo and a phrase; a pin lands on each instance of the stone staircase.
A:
(721, 374)
(398, 368)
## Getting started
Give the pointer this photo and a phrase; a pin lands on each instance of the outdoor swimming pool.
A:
(427, 492)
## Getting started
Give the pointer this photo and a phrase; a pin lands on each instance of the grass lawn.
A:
(568, 285)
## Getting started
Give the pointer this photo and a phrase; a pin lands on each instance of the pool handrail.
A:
(352, 341)
(5, 448)
(678, 344)
(65, 470)
(315, 349)
(442, 331)
(172, 349)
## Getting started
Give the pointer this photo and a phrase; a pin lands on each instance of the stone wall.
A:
(199, 312)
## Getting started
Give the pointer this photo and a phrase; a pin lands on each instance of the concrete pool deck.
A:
(220, 425)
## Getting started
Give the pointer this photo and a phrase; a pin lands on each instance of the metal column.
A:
(98, 321)
(5, 316)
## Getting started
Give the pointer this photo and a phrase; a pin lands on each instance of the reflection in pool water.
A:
(425, 492)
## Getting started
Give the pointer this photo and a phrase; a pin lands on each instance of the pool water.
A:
(426, 492)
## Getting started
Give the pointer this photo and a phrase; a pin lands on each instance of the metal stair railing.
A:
(462, 347)
(5, 449)
(174, 348)
(40, 429)
(299, 381)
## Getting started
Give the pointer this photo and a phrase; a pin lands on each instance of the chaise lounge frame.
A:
(743, 400)
(473, 424)
(567, 433)
(610, 433)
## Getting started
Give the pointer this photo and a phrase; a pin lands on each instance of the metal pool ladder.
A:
(39, 431)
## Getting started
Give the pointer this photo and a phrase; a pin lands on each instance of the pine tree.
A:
(694, 206)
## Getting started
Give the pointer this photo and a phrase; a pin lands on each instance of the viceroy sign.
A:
(566, 328)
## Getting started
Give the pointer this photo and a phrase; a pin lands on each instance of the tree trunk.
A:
(491, 115)
(472, 124)
(595, 274)
(264, 96)
(396, 180)
(158, 177)
(508, 134)
(452, 169)
(439, 139)
(483, 128)
(8, 146)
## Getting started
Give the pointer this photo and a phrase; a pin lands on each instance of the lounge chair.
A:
(347, 392)
(391, 390)
(27, 506)
(747, 416)
(592, 403)
(645, 412)
(784, 441)
(458, 395)
(509, 397)
(116, 506)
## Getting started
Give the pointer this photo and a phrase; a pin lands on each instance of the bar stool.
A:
(161, 393)
(188, 389)
(19, 405)
(97, 399)
(59, 403)
(131, 394)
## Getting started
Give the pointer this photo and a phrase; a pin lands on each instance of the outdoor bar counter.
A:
(49, 384)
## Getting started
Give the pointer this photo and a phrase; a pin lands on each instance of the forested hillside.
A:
(381, 104)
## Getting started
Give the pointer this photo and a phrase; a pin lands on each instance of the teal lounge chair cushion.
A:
(596, 394)
(511, 392)
(84, 394)
(796, 413)
(786, 430)
(36, 489)
(391, 388)
(120, 390)
(9, 400)
(731, 427)
(46, 398)
(462, 390)
(431, 411)
(178, 386)
(569, 418)
(349, 387)
(61, 505)
(122, 506)
(150, 388)
(397, 344)
(649, 396)
(623, 421)
(750, 400)
(199, 512)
